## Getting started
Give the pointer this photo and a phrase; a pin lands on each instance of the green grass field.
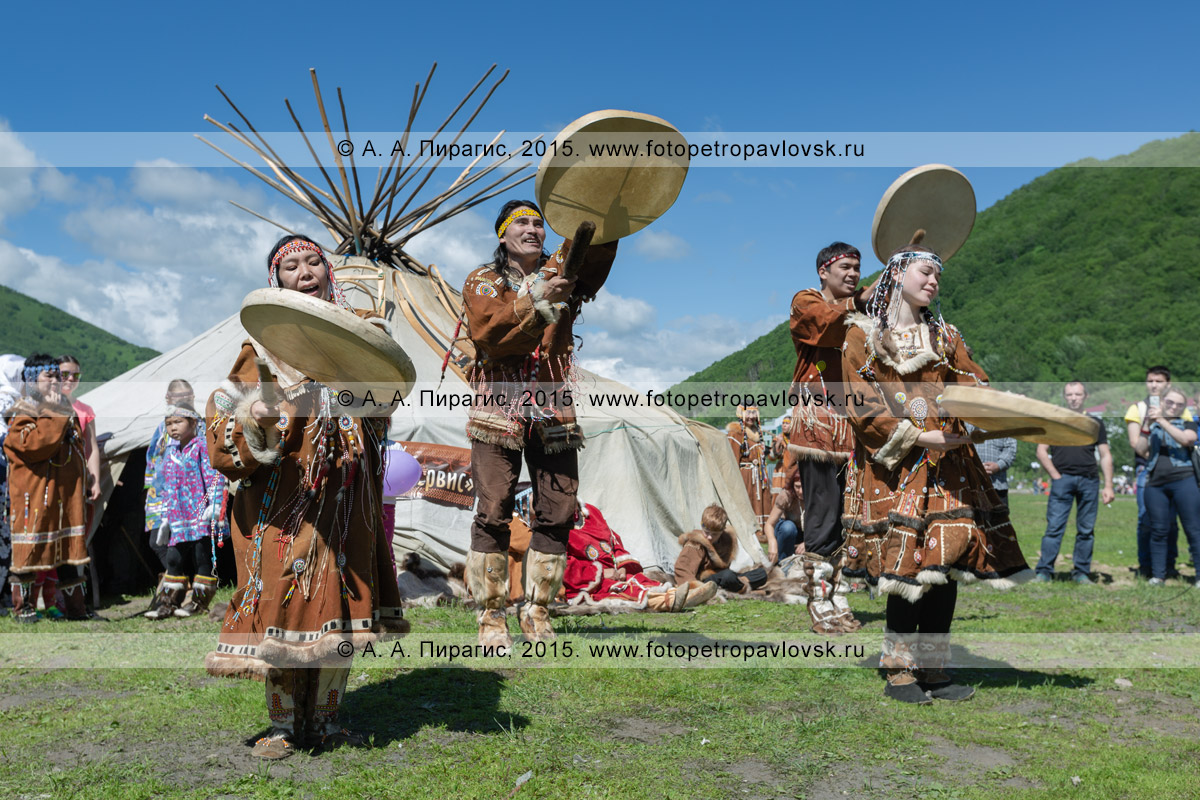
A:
(631, 732)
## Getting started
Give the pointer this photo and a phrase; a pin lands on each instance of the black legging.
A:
(728, 580)
(931, 614)
(190, 558)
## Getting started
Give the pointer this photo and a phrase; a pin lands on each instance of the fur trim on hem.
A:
(700, 540)
(248, 668)
(898, 445)
(812, 454)
(278, 653)
(488, 435)
(934, 576)
(995, 580)
(911, 592)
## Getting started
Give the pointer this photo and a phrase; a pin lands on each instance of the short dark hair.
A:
(67, 358)
(1075, 383)
(834, 249)
(1159, 370)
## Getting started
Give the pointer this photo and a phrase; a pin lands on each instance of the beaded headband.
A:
(524, 211)
(838, 257)
(299, 246)
(31, 373)
(897, 259)
(181, 411)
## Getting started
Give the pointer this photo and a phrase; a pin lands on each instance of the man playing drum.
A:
(520, 310)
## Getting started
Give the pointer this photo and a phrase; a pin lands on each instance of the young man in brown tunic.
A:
(519, 312)
(821, 440)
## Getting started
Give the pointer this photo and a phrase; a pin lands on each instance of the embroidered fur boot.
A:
(203, 589)
(487, 578)
(24, 600)
(170, 595)
(543, 577)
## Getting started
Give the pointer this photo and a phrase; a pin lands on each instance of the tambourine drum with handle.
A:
(587, 175)
(936, 198)
(328, 344)
(1009, 414)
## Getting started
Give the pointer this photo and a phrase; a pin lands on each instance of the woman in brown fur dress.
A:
(315, 579)
(921, 513)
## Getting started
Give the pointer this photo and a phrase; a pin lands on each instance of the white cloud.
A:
(136, 306)
(456, 246)
(660, 245)
(23, 178)
(622, 341)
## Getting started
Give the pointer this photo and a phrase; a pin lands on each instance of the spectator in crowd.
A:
(70, 373)
(44, 450)
(1074, 480)
(1166, 440)
(191, 500)
(708, 552)
(786, 521)
(1158, 378)
(179, 392)
(997, 456)
(11, 367)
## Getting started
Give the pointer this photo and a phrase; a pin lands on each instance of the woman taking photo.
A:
(1166, 442)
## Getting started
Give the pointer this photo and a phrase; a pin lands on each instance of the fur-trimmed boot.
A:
(818, 586)
(899, 665)
(24, 599)
(543, 577)
(169, 596)
(74, 594)
(487, 578)
(203, 589)
(843, 615)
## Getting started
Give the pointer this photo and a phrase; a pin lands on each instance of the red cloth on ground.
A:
(594, 547)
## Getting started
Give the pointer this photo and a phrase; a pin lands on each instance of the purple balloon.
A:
(402, 472)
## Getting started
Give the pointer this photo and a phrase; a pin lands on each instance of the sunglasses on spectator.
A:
(69, 376)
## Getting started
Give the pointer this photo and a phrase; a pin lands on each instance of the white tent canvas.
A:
(651, 471)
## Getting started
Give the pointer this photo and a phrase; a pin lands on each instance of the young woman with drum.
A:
(921, 513)
(314, 573)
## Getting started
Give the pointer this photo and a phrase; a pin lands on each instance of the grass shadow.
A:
(461, 700)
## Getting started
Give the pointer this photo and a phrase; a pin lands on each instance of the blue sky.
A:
(156, 254)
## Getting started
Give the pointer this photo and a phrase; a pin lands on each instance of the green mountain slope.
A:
(28, 326)
(1088, 271)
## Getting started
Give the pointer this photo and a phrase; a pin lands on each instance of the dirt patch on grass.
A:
(754, 771)
(854, 780)
(216, 759)
(966, 759)
(646, 731)
(1137, 712)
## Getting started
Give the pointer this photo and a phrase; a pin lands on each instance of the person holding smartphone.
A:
(1166, 440)
(1158, 378)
